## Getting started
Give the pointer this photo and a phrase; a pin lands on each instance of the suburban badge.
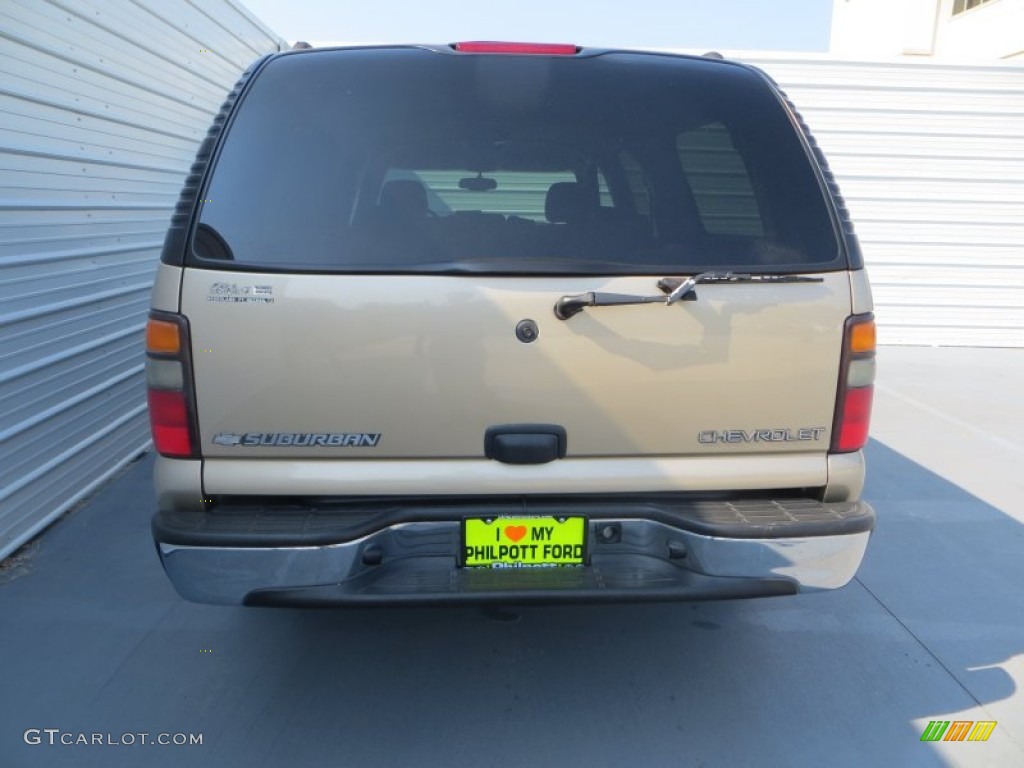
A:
(299, 439)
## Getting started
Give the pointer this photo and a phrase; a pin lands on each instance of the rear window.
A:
(720, 182)
(392, 160)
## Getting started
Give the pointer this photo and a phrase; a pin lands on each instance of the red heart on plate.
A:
(515, 532)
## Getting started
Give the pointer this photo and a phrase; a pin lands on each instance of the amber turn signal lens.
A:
(162, 337)
(862, 337)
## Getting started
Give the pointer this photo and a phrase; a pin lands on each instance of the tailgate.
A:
(419, 366)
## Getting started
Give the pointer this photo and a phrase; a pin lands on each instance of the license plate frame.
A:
(536, 531)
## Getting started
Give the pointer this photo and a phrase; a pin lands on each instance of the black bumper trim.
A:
(293, 524)
(437, 581)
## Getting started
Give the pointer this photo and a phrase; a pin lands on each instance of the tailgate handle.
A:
(525, 443)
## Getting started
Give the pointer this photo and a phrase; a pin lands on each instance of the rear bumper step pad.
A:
(242, 525)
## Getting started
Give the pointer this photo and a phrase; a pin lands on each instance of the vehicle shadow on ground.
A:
(834, 678)
(760, 682)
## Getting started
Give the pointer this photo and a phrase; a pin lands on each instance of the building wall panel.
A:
(102, 106)
(930, 159)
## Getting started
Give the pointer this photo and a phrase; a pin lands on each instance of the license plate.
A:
(523, 542)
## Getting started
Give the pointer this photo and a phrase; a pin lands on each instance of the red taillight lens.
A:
(168, 419)
(856, 385)
(168, 386)
(856, 418)
(549, 49)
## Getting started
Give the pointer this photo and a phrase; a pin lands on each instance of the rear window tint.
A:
(514, 193)
(639, 184)
(389, 160)
(720, 182)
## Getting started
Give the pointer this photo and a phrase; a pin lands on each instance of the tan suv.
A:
(508, 322)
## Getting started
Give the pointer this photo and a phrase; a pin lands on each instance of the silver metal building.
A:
(102, 107)
(930, 158)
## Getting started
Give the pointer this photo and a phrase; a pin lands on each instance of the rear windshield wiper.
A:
(676, 288)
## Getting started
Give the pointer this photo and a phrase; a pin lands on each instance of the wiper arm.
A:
(567, 306)
(685, 287)
(677, 288)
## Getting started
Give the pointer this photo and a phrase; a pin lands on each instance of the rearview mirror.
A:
(478, 183)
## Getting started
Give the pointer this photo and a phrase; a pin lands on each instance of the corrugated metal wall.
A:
(102, 106)
(930, 158)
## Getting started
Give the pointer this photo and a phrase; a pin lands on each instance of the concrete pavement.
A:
(94, 639)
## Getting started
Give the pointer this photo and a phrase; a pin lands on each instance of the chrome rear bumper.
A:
(417, 562)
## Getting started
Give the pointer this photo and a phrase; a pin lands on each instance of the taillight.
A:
(168, 386)
(856, 385)
(549, 49)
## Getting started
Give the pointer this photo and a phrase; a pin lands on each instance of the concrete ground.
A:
(94, 639)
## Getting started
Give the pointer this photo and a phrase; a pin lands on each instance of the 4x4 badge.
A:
(232, 293)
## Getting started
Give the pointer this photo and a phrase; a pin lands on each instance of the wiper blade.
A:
(677, 288)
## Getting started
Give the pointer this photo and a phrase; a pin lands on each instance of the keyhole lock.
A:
(527, 331)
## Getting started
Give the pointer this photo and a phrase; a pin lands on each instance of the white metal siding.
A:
(930, 159)
(102, 107)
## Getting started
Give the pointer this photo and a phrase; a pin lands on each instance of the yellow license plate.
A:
(522, 542)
